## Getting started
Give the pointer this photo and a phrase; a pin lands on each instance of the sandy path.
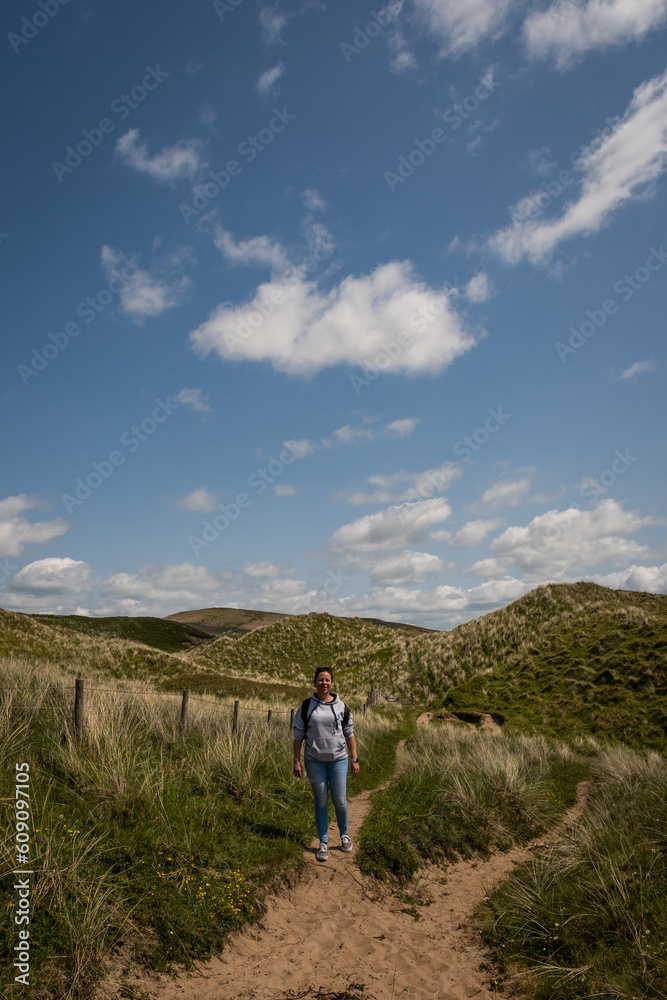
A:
(336, 927)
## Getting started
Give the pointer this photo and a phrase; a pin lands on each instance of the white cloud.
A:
(558, 544)
(405, 567)
(17, 532)
(201, 499)
(618, 169)
(300, 330)
(403, 428)
(393, 528)
(272, 22)
(52, 576)
(507, 492)
(194, 399)
(301, 447)
(490, 569)
(157, 588)
(313, 200)
(649, 578)
(474, 532)
(406, 485)
(478, 288)
(184, 159)
(568, 29)
(268, 79)
(261, 570)
(402, 58)
(283, 490)
(144, 294)
(258, 250)
(639, 368)
(463, 24)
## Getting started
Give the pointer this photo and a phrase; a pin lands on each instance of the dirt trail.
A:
(336, 927)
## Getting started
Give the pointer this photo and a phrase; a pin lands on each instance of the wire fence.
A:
(80, 689)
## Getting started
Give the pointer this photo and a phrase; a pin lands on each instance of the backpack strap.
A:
(305, 715)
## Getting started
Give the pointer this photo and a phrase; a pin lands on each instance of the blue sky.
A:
(319, 307)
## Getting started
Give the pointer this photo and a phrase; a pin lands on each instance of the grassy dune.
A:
(570, 659)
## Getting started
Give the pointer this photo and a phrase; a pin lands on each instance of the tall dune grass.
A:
(461, 791)
(588, 916)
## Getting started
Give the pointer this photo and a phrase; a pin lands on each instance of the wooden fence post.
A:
(364, 708)
(78, 707)
(185, 704)
(291, 719)
(412, 699)
(235, 719)
(268, 719)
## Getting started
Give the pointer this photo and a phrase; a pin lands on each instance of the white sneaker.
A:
(322, 852)
(345, 843)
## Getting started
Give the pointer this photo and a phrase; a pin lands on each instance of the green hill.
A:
(362, 654)
(566, 659)
(169, 636)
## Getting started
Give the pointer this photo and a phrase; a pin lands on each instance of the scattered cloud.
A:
(184, 159)
(402, 485)
(393, 528)
(405, 567)
(478, 288)
(402, 58)
(567, 29)
(272, 21)
(144, 294)
(261, 570)
(202, 500)
(615, 171)
(194, 399)
(403, 428)
(52, 576)
(301, 331)
(463, 24)
(649, 578)
(16, 532)
(313, 200)
(260, 251)
(269, 78)
(283, 490)
(301, 447)
(474, 532)
(559, 543)
(639, 368)
(505, 493)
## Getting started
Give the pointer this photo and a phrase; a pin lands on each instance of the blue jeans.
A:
(334, 774)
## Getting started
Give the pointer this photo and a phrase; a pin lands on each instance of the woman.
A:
(325, 723)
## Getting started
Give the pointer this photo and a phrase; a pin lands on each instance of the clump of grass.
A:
(462, 791)
(588, 916)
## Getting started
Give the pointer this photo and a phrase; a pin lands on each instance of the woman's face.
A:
(323, 685)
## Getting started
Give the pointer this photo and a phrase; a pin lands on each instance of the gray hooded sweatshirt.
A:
(325, 739)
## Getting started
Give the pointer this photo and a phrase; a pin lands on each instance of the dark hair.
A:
(322, 670)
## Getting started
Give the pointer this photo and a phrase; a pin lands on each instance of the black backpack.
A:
(305, 717)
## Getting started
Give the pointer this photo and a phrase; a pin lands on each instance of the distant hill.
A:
(236, 622)
(170, 637)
